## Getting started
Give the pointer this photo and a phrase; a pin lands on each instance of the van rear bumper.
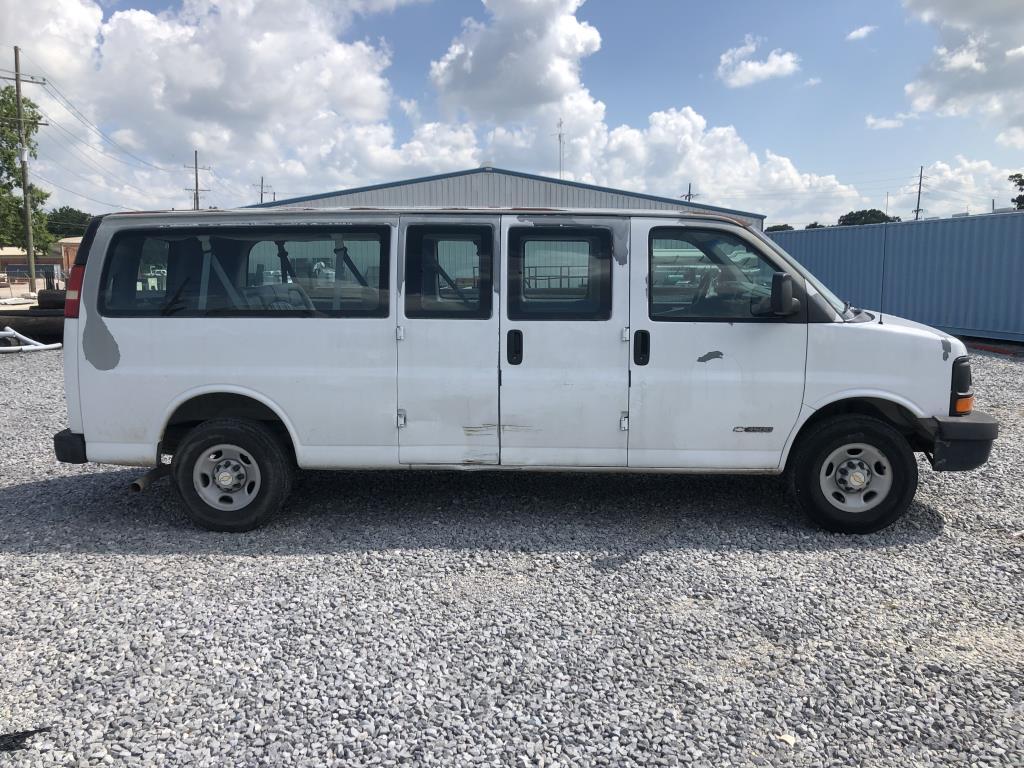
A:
(69, 447)
(960, 442)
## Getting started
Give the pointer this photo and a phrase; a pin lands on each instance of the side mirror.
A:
(782, 301)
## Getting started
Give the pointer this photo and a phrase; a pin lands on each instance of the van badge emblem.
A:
(763, 430)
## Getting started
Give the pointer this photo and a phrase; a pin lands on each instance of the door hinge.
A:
(399, 332)
(625, 334)
(400, 418)
(624, 421)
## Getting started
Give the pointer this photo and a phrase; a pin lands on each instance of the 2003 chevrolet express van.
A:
(246, 343)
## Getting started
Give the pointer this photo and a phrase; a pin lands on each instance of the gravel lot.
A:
(457, 619)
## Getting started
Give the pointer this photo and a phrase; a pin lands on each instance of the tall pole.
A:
(561, 146)
(195, 167)
(25, 193)
(261, 190)
(920, 181)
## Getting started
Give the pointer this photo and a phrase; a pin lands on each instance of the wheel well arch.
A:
(895, 414)
(194, 410)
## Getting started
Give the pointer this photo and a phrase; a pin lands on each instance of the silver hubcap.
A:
(226, 477)
(856, 477)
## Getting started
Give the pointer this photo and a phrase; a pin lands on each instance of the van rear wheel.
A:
(853, 474)
(232, 474)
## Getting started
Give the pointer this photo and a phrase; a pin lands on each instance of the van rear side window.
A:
(298, 272)
(557, 274)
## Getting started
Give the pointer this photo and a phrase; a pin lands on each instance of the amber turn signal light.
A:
(964, 405)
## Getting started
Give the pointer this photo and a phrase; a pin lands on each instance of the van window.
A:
(304, 272)
(558, 274)
(448, 272)
(706, 275)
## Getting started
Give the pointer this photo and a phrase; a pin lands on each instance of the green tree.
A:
(815, 225)
(779, 228)
(869, 216)
(12, 228)
(67, 221)
(1018, 180)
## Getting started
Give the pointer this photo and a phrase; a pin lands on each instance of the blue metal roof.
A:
(533, 177)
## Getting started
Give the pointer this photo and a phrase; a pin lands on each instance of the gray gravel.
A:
(486, 619)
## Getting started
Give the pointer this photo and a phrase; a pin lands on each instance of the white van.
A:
(247, 343)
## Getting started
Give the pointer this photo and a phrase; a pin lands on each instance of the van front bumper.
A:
(960, 442)
(69, 447)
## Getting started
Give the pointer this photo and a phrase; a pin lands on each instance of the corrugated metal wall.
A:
(497, 189)
(964, 275)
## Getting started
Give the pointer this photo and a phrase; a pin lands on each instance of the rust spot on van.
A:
(946, 349)
(712, 355)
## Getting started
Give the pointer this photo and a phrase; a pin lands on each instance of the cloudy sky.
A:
(799, 109)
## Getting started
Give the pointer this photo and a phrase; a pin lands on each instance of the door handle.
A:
(642, 347)
(514, 344)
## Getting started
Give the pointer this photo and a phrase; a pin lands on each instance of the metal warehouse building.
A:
(497, 188)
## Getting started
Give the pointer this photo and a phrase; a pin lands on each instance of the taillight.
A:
(74, 291)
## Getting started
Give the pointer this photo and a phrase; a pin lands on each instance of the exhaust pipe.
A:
(147, 479)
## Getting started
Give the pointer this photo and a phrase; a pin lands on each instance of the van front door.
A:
(448, 341)
(717, 382)
(564, 311)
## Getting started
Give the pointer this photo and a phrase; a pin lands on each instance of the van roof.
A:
(313, 214)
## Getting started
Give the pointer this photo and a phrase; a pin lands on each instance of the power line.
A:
(51, 87)
(79, 194)
(98, 168)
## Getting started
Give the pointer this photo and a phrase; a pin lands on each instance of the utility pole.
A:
(886, 203)
(690, 194)
(561, 146)
(195, 190)
(264, 189)
(26, 195)
(920, 182)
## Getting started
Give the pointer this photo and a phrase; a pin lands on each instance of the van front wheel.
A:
(232, 474)
(853, 474)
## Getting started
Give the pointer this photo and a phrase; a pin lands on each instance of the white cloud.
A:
(861, 32)
(961, 186)
(979, 66)
(882, 123)
(527, 54)
(737, 69)
(1012, 137)
(967, 56)
(811, 82)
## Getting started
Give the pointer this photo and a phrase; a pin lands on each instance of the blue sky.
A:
(642, 85)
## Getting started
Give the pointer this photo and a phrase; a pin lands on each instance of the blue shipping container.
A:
(963, 275)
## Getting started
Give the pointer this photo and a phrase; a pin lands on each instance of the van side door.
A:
(447, 340)
(564, 310)
(717, 382)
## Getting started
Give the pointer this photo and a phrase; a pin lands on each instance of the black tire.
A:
(265, 450)
(813, 449)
